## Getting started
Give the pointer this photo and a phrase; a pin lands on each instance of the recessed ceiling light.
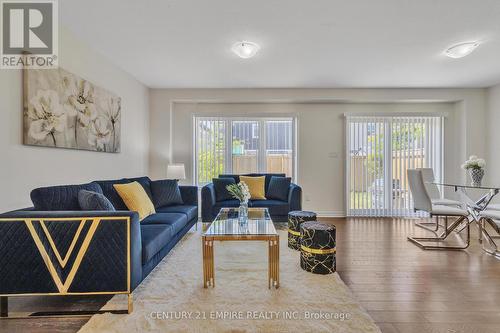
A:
(461, 50)
(245, 50)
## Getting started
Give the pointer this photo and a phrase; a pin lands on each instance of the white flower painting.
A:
(65, 111)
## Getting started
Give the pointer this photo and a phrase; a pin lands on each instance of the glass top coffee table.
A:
(228, 227)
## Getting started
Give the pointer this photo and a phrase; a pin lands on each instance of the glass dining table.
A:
(474, 206)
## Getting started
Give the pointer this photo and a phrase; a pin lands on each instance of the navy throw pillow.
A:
(221, 193)
(62, 197)
(110, 192)
(278, 188)
(166, 192)
(90, 200)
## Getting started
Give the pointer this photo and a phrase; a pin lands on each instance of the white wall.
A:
(23, 168)
(320, 128)
(493, 117)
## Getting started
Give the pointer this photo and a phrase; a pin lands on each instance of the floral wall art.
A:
(63, 110)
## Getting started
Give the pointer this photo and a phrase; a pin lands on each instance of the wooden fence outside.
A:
(276, 163)
(399, 162)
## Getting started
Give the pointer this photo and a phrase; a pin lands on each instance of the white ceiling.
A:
(315, 43)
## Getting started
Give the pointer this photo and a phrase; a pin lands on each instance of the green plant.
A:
(403, 137)
(375, 159)
(239, 191)
(211, 157)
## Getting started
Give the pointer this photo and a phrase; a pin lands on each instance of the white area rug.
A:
(172, 298)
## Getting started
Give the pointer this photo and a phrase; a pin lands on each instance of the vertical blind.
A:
(243, 145)
(210, 148)
(379, 151)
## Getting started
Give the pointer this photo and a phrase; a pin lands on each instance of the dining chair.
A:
(433, 190)
(492, 218)
(436, 199)
(493, 207)
(422, 202)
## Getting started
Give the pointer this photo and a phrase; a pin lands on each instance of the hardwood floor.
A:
(404, 288)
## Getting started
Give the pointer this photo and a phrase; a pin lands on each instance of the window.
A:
(255, 130)
(210, 148)
(243, 145)
(379, 151)
(246, 140)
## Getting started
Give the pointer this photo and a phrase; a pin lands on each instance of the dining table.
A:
(485, 193)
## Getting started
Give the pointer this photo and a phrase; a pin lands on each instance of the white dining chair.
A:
(491, 218)
(422, 202)
(436, 199)
(433, 190)
(493, 207)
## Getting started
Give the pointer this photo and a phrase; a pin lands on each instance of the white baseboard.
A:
(333, 213)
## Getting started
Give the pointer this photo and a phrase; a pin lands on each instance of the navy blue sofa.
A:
(112, 252)
(278, 209)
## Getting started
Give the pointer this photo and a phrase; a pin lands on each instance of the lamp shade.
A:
(176, 171)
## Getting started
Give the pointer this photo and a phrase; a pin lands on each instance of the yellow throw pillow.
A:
(135, 198)
(256, 185)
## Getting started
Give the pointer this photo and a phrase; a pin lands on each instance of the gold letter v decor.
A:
(63, 286)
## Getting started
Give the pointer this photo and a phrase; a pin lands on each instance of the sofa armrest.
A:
(207, 202)
(189, 195)
(36, 255)
(295, 197)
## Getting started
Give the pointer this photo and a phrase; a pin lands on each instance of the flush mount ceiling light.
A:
(461, 50)
(245, 50)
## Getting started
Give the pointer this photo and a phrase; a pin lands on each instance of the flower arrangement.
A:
(239, 191)
(475, 167)
(474, 163)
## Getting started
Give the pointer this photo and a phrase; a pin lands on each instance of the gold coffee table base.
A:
(208, 256)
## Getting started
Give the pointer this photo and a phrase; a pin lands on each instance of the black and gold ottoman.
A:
(317, 249)
(295, 219)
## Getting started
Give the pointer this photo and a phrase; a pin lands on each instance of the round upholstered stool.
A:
(317, 247)
(295, 219)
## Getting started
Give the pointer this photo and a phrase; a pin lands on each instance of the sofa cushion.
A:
(221, 193)
(62, 197)
(256, 186)
(154, 238)
(109, 191)
(166, 192)
(278, 188)
(190, 211)
(224, 204)
(267, 175)
(176, 220)
(276, 207)
(136, 198)
(90, 200)
(235, 177)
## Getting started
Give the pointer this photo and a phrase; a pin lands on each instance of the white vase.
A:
(476, 175)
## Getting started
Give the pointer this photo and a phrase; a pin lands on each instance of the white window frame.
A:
(261, 156)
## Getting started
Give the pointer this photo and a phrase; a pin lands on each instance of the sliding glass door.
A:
(243, 145)
(379, 151)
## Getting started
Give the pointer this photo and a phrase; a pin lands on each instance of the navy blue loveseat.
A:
(278, 209)
(56, 248)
